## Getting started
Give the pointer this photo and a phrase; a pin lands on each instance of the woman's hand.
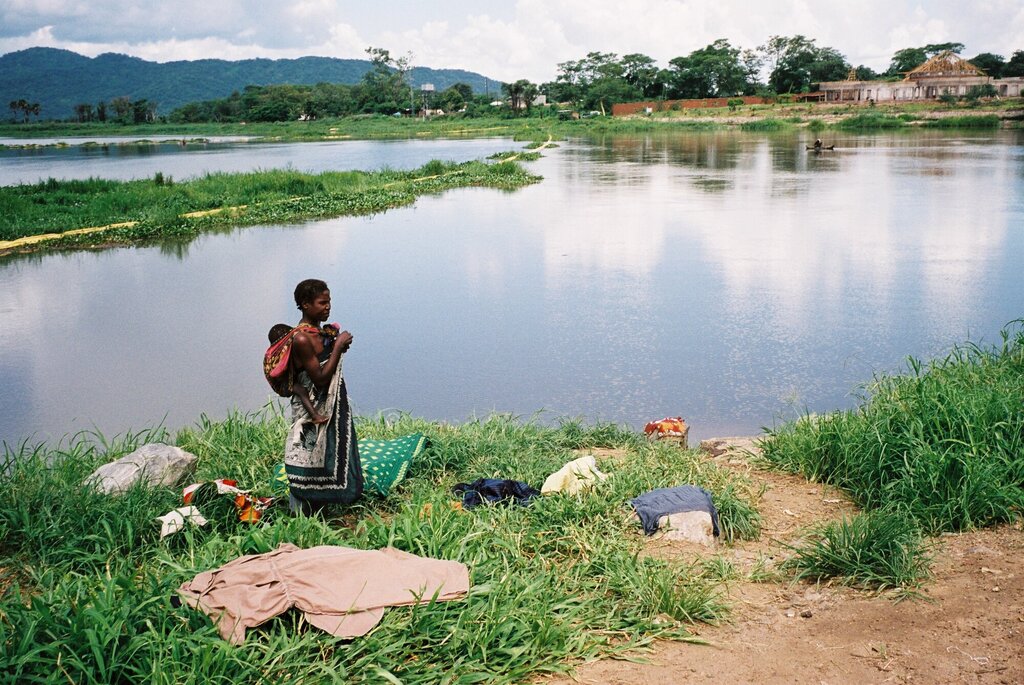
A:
(344, 339)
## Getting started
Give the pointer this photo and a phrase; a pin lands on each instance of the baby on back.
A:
(277, 332)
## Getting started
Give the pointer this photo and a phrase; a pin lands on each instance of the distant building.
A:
(945, 73)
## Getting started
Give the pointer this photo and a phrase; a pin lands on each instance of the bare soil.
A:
(967, 625)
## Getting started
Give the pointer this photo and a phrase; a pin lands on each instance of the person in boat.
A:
(817, 144)
(321, 460)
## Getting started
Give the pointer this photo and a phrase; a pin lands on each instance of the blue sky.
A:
(506, 40)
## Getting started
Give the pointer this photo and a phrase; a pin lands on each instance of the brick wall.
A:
(624, 108)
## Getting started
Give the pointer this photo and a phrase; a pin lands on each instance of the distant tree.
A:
(83, 112)
(15, 108)
(752, 62)
(451, 99)
(908, 59)
(143, 111)
(1015, 67)
(797, 63)
(122, 107)
(905, 60)
(864, 73)
(520, 94)
(641, 72)
(991, 64)
(712, 71)
(933, 49)
(101, 111)
(386, 87)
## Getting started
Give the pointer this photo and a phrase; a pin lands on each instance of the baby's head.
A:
(278, 331)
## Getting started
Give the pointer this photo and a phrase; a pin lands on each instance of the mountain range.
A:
(60, 79)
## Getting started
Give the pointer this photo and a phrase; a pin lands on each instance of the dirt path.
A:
(968, 628)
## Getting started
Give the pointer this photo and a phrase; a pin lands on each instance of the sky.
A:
(502, 39)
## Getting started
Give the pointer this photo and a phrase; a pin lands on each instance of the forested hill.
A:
(60, 79)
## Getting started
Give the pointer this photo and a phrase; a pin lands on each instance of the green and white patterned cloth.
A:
(384, 463)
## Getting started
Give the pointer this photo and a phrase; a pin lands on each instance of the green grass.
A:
(86, 584)
(768, 124)
(876, 550)
(870, 122)
(942, 442)
(966, 121)
(274, 196)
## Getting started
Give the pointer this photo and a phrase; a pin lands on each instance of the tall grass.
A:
(88, 584)
(967, 121)
(943, 441)
(869, 122)
(768, 124)
(877, 550)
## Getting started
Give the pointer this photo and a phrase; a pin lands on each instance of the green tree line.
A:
(384, 89)
(782, 65)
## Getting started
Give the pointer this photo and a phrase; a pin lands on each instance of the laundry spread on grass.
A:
(575, 477)
(340, 590)
(652, 506)
(247, 507)
(495, 491)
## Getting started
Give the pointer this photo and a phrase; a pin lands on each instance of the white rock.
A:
(152, 465)
(691, 526)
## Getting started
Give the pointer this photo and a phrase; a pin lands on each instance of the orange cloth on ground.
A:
(671, 426)
(339, 589)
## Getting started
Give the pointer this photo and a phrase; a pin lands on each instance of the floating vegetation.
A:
(158, 208)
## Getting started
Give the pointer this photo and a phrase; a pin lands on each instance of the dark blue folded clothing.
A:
(652, 505)
(494, 490)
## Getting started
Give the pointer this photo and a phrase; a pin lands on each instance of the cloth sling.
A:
(277, 366)
(384, 463)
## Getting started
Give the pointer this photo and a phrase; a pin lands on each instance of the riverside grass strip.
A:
(87, 584)
(156, 209)
(942, 443)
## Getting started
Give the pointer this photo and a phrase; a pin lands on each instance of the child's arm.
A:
(300, 392)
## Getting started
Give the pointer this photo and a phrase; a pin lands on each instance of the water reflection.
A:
(730, 278)
(138, 160)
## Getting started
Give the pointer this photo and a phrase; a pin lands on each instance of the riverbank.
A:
(85, 581)
(1009, 113)
(72, 214)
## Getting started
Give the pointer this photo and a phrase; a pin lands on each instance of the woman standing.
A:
(322, 461)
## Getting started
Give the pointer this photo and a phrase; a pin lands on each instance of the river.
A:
(733, 279)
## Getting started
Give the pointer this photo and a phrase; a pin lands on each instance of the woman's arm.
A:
(304, 354)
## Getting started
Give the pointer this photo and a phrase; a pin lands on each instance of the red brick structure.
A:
(624, 108)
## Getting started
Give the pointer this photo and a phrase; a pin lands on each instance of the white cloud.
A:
(526, 39)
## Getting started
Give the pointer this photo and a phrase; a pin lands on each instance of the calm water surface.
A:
(132, 160)
(729, 278)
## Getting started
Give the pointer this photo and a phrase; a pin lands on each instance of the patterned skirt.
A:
(322, 462)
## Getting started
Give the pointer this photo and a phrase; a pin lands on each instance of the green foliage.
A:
(870, 122)
(767, 124)
(876, 550)
(797, 62)
(984, 90)
(943, 443)
(969, 121)
(89, 582)
(712, 71)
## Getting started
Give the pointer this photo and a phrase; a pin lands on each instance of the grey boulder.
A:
(152, 465)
